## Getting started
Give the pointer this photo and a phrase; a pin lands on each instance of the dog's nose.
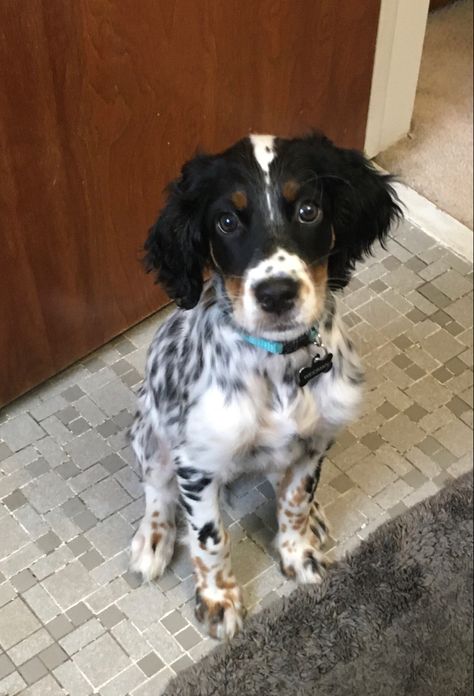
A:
(276, 295)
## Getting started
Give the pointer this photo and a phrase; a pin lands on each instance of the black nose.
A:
(276, 295)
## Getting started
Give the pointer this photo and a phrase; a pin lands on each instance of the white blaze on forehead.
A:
(264, 151)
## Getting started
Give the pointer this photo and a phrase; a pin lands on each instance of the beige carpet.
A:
(437, 157)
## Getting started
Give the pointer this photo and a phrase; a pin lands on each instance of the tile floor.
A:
(74, 621)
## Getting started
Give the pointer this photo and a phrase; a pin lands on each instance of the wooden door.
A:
(100, 103)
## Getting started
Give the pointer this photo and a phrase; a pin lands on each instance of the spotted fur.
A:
(212, 406)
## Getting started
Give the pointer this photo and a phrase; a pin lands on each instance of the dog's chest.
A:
(259, 426)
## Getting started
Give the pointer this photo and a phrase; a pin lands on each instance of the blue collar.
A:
(284, 347)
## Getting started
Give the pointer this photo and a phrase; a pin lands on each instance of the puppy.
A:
(254, 371)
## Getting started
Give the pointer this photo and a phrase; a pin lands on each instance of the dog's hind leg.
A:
(153, 544)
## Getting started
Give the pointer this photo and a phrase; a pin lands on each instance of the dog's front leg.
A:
(218, 596)
(302, 528)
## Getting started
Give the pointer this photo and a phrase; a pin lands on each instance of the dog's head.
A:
(279, 220)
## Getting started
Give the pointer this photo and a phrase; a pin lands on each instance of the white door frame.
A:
(400, 36)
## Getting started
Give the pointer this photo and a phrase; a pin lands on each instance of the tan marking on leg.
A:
(154, 525)
(224, 584)
(299, 521)
(299, 495)
(289, 571)
(155, 540)
(199, 563)
(285, 482)
(156, 513)
(301, 529)
(215, 613)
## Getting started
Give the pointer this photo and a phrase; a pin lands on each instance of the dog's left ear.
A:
(365, 206)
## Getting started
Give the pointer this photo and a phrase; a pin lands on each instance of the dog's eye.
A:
(227, 223)
(309, 212)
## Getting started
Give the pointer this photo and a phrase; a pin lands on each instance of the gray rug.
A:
(393, 619)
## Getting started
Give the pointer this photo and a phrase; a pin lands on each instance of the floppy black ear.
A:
(365, 206)
(177, 247)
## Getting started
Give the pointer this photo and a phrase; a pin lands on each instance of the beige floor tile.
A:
(70, 502)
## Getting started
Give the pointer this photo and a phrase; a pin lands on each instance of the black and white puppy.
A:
(254, 371)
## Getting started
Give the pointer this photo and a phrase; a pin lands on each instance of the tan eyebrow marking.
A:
(290, 190)
(239, 199)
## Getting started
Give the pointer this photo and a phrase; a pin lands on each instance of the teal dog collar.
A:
(284, 347)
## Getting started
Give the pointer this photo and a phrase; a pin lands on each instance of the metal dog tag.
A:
(321, 362)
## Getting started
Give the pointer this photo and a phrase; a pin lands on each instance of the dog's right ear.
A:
(177, 248)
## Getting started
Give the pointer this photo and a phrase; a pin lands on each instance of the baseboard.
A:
(440, 225)
(435, 222)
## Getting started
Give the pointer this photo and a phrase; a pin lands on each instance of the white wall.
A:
(400, 36)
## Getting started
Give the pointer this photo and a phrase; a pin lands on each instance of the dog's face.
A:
(279, 220)
(269, 237)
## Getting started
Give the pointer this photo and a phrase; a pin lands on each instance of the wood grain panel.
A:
(101, 102)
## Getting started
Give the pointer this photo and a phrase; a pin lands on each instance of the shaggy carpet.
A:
(394, 618)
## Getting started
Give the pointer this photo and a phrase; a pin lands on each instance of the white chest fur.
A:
(268, 415)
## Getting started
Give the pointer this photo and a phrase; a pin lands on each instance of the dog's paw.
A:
(152, 548)
(300, 560)
(220, 610)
